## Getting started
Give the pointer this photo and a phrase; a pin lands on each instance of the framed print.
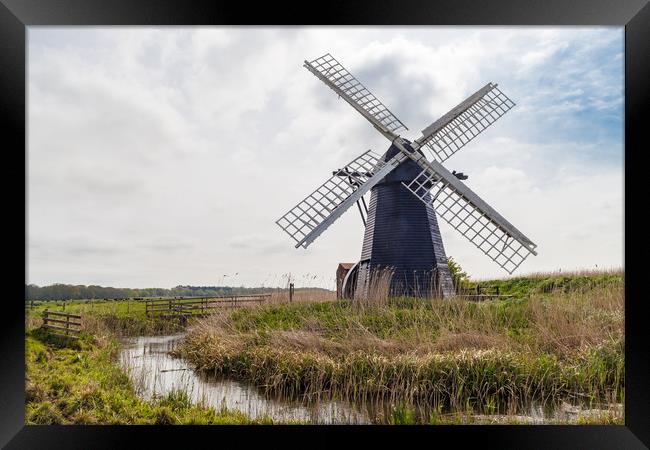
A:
(376, 221)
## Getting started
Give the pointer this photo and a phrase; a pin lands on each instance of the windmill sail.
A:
(337, 77)
(463, 123)
(472, 217)
(309, 218)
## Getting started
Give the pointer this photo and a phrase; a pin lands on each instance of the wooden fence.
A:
(62, 324)
(198, 306)
(479, 292)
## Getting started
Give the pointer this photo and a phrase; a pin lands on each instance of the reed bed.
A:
(545, 347)
(453, 380)
(304, 295)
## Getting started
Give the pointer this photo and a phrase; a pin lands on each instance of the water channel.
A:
(155, 373)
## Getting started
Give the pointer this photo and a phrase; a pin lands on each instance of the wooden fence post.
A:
(290, 292)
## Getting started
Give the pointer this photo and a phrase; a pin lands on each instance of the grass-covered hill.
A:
(540, 283)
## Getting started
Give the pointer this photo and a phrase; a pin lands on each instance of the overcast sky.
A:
(163, 156)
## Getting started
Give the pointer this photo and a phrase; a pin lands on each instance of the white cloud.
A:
(164, 156)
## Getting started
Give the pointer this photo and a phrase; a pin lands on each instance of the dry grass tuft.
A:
(453, 342)
(304, 295)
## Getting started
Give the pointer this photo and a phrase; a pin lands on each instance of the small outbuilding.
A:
(341, 272)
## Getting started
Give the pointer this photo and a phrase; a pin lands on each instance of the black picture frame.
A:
(16, 15)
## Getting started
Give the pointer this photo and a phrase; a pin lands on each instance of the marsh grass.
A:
(542, 346)
(378, 290)
(280, 296)
(81, 383)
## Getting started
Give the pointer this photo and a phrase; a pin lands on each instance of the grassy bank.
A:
(81, 383)
(543, 346)
(544, 283)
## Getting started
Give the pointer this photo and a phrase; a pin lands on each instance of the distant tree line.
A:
(73, 292)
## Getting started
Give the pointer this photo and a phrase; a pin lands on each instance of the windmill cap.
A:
(407, 171)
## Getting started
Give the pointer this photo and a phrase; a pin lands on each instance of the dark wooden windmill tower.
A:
(408, 188)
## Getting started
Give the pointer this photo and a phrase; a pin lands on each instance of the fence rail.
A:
(479, 292)
(64, 325)
(479, 297)
(198, 306)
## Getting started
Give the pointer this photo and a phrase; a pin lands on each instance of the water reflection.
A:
(155, 373)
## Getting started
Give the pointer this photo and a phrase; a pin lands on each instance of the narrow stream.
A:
(155, 373)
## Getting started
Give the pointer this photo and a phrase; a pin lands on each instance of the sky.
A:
(161, 156)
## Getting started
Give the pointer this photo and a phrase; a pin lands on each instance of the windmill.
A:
(409, 188)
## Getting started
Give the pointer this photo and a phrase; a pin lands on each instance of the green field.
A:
(122, 308)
